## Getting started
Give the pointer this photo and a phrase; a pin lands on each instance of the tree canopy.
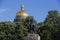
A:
(49, 29)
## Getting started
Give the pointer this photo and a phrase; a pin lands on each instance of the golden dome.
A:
(22, 12)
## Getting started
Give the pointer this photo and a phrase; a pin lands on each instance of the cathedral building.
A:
(21, 15)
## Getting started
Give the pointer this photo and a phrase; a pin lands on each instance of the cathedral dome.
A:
(21, 15)
(22, 12)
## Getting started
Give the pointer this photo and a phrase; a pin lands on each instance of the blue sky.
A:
(37, 8)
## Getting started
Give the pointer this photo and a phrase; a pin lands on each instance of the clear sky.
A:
(37, 8)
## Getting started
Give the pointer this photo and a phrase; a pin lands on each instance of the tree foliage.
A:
(48, 30)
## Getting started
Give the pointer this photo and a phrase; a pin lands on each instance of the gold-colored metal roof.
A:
(22, 12)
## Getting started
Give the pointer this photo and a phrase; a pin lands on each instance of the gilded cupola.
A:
(21, 15)
(22, 12)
